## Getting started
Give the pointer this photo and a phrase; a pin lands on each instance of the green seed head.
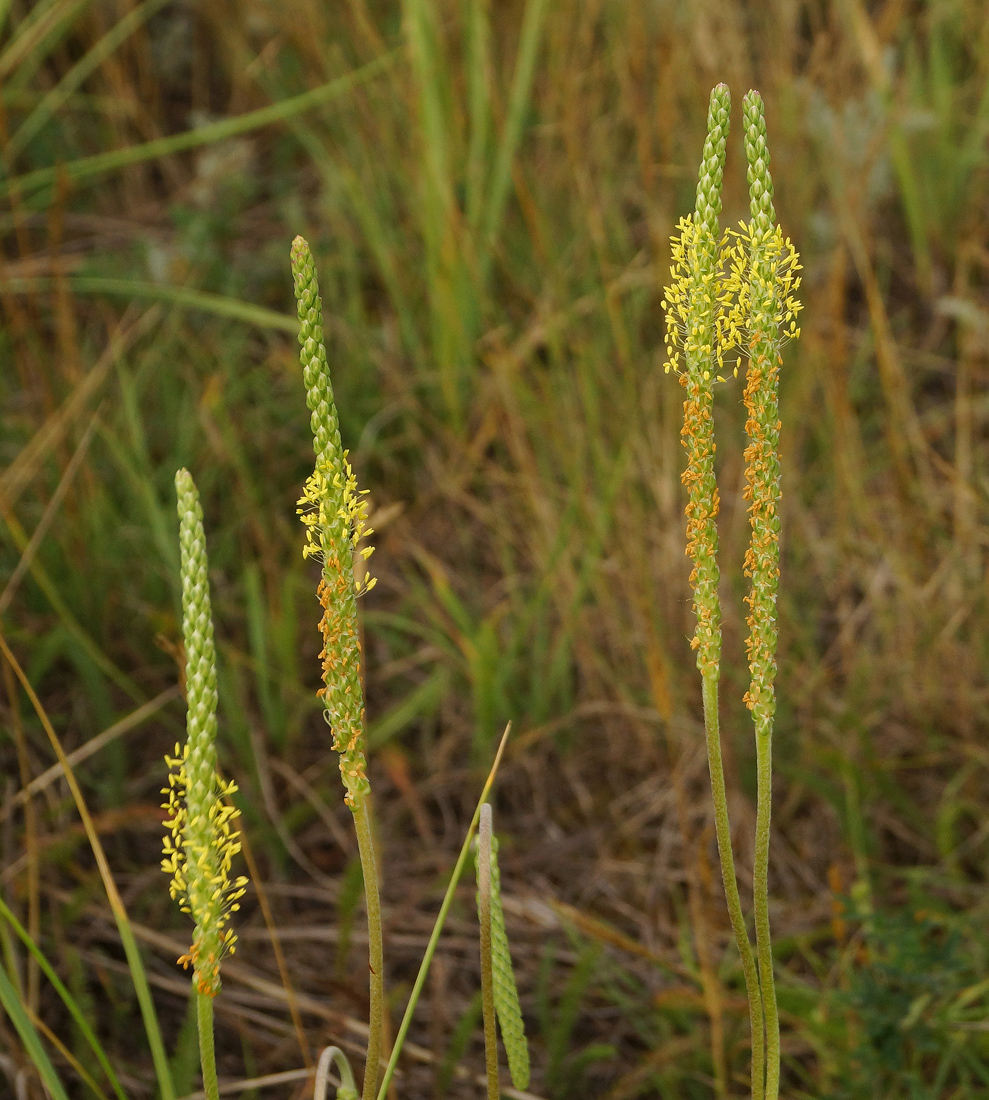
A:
(201, 840)
(334, 513)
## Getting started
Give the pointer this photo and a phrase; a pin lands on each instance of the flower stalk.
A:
(770, 311)
(334, 513)
(700, 330)
(201, 841)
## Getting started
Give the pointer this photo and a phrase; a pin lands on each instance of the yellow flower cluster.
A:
(198, 855)
(750, 266)
(763, 268)
(699, 292)
(321, 489)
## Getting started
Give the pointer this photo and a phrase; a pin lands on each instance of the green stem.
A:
(346, 1090)
(735, 914)
(376, 955)
(760, 890)
(487, 977)
(434, 937)
(207, 1055)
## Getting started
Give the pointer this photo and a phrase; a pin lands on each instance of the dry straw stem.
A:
(334, 515)
(483, 861)
(700, 330)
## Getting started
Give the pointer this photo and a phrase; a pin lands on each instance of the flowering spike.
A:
(766, 265)
(335, 514)
(201, 840)
(697, 325)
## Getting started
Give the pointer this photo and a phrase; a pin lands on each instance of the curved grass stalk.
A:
(346, 1090)
(99, 164)
(66, 997)
(10, 1001)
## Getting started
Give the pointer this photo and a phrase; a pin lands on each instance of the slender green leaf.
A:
(29, 1037)
(79, 72)
(201, 300)
(518, 105)
(100, 164)
(67, 999)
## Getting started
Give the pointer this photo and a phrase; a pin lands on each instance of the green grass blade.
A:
(452, 301)
(70, 622)
(433, 80)
(423, 700)
(100, 164)
(518, 103)
(216, 304)
(479, 102)
(33, 34)
(385, 248)
(29, 1037)
(67, 999)
(83, 68)
(139, 978)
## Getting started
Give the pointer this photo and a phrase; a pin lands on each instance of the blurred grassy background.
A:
(489, 191)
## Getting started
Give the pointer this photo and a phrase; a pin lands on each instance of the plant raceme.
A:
(201, 841)
(734, 292)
